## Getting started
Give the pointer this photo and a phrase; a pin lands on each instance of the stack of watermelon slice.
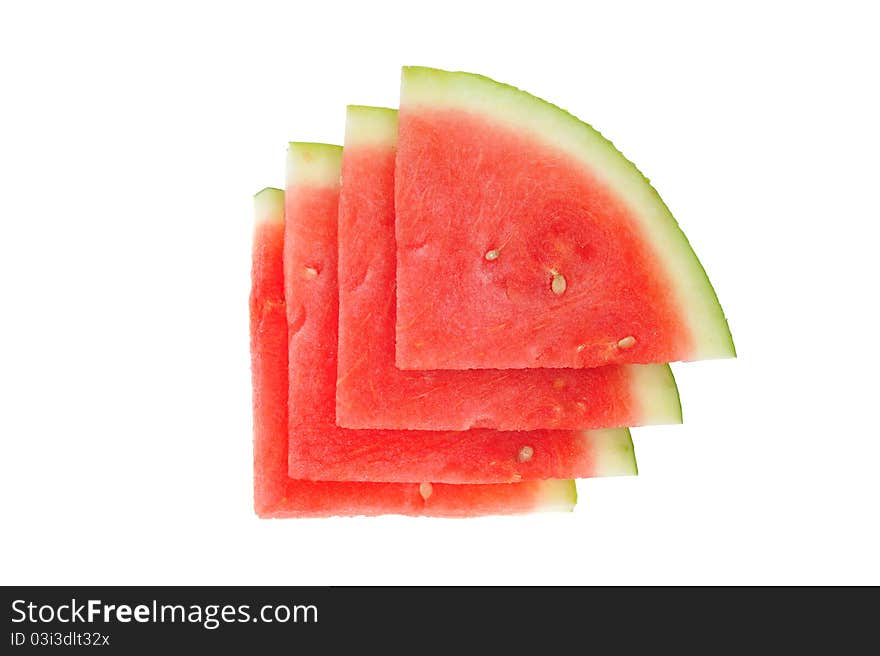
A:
(463, 309)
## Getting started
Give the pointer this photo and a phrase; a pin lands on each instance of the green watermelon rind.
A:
(266, 204)
(615, 453)
(433, 88)
(556, 495)
(367, 125)
(312, 164)
(654, 388)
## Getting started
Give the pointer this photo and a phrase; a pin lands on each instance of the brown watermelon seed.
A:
(627, 342)
(493, 254)
(525, 454)
(558, 284)
(426, 490)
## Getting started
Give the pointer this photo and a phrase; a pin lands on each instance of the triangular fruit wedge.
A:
(277, 495)
(371, 392)
(321, 450)
(525, 239)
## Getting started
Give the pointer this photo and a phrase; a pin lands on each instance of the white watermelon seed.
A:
(525, 454)
(310, 272)
(627, 342)
(426, 490)
(493, 254)
(558, 284)
(580, 347)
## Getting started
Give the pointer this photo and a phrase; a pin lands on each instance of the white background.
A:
(131, 141)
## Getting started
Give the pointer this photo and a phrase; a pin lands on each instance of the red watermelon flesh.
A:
(371, 392)
(321, 450)
(525, 239)
(277, 495)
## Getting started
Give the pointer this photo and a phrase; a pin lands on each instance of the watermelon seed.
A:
(558, 284)
(558, 383)
(310, 272)
(626, 342)
(426, 490)
(516, 478)
(493, 254)
(525, 454)
(580, 347)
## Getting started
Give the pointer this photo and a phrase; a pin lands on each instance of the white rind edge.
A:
(556, 495)
(313, 165)
(520, 110)
(269, 206)
(614, 452)
(367, 126)
(654, 389)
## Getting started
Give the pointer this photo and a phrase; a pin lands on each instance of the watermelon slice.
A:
(525, 239)
(371, 392)
(277, 495)
(321, 450)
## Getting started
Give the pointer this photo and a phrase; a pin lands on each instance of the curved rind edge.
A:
(614, 452)
(708, 327)
(313, 164)
(366, 126)
(269, 205)
(556, 495)
(655, 391)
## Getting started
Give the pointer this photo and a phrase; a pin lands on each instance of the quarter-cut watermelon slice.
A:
(525, 239)
(277, 495)
(321, 450)
(371, 392)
